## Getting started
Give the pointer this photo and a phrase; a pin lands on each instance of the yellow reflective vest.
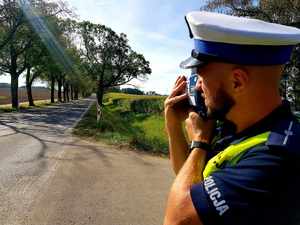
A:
(233, 153)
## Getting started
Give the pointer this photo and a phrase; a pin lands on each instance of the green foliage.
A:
(153, 136)
(146, 106)
(114, 98)
(108, 58)
(278, 11)
(36, 36)
(114, 89)
(28, 32)
(133, 91)
(143, 130)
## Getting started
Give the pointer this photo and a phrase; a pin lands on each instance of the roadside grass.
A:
(122, 126)
(25, 105)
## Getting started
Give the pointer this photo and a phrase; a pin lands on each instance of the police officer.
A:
(248, 170)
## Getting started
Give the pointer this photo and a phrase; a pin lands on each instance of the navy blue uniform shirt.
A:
(263, 188)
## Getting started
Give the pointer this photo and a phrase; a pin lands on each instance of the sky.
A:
(155, 28)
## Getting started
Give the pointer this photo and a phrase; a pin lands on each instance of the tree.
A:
(20, 19)
(285, 12)
(37, 55)
(109, 59)
(291, 79)
(12, 57)
(42, 18)
(79, 80)
(6, 15)
(48, 70)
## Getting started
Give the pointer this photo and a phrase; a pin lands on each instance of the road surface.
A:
(48, 177)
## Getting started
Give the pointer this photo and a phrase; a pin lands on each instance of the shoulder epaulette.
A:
(286, 134)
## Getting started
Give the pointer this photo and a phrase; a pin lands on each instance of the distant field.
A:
(38, 94)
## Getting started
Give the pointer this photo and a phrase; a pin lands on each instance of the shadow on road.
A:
(44, 124)
(48, 126)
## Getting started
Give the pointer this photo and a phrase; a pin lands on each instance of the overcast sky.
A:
(155, 28)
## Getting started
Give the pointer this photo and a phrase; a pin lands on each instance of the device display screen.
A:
(195, 98)
(191, 83)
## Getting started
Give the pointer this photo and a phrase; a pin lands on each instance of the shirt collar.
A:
(228, 131)
(268, 122)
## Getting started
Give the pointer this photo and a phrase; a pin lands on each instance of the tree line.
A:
(286, 12)
(44, 40)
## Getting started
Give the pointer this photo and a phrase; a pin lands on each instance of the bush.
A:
(132, 91)
(146, 106)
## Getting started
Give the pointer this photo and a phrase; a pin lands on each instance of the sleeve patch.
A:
(215, 196)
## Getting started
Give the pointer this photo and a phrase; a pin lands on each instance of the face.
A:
(212, 84)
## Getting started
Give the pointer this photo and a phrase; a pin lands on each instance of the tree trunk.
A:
(64, 95)
(52, 89)
(67, 92)
(100, 93)
(59, 83)
(29, 95)
(14, 91)
(28, 87)
(76, 93)
(14, 77)
(72, 92)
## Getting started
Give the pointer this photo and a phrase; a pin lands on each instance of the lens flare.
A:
(42, 29)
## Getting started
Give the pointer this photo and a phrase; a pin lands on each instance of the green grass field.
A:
(133, 120)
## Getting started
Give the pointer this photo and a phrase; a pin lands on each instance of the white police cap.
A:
(238, 40)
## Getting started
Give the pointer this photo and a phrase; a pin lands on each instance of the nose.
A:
(198, 86)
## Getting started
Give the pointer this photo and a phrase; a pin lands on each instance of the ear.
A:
(240, 80)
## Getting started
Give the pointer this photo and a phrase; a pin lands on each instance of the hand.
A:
(176, 104)
(199, 129)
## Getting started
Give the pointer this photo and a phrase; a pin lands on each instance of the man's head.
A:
(226, 87)
(240, 61)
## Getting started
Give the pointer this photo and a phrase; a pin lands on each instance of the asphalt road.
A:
(48, 177)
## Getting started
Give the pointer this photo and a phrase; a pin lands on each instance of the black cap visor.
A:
(199, 60)
(190, 63)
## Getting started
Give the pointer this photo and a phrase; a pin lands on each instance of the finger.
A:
(180, 79)
(174, 100)
(178, 89)
(193, 115)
